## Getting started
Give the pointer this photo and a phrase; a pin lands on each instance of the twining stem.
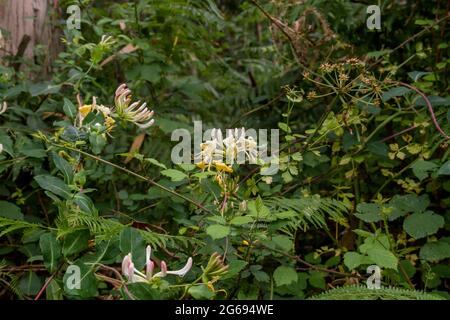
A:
(428, 103)
(152, 182)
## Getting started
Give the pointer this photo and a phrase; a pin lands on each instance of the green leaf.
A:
(369, 212)
(383, 258)
(352, 260)
(419, 225)
(284, 275)
(53, 184)
(218, 231)
(394, 92)
(155, 162)
(283, 242)
(444, 169)
(75, 242)
(54, 291)
(30, 283)
(201, 292)
(43, 88)
(10, 211)
(422, 168)
(132, 242)
(69, 109)
(63, 166)
(79, 280)
(174, 175)
(240, 220)
(435, 251)
(51, 251)
(144, 291)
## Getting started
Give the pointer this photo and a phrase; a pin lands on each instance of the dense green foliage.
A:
(364, 163)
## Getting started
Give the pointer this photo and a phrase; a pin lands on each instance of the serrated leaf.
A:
(435, 251)
(284, 275)
(352, 260)
(422, 168)
(218, 231)
(419, 225)
(383, 258)
(369, 212)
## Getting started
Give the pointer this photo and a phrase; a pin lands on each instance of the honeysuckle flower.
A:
(222, 167)
(212, 149)
(3, 107)
(135, 275)
(1, 148)
(135, 112)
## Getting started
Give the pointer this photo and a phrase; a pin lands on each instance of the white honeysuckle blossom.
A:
(212, 150)
(231, 148)
(135, 275)
(137, 113)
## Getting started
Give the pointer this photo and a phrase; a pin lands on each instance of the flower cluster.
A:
(235, 147)
(124, 110)
(135, 275)
(135, 112)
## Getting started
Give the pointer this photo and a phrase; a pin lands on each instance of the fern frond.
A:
(360, 292)
(105, 229)
(308, 212)
(9, 225)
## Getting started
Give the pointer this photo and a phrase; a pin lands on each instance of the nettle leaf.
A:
(284, 275)
(54, 185)
(10, 211)
(436, 250)
(51, 251)
(174, 175)
(402, 205)
(354, 259)
(283, 242)
(369, 212)
(419, 225)
(218, 231)
(422, 168)
(383, 257)
(132, 242)
(75, 242)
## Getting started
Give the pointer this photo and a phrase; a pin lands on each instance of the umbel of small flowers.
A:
(134, 275)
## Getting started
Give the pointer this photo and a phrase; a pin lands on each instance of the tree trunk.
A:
(25, 24)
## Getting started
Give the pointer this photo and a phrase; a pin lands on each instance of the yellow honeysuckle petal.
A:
(84, 110)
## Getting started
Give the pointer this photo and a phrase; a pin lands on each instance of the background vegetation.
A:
(364, 152)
